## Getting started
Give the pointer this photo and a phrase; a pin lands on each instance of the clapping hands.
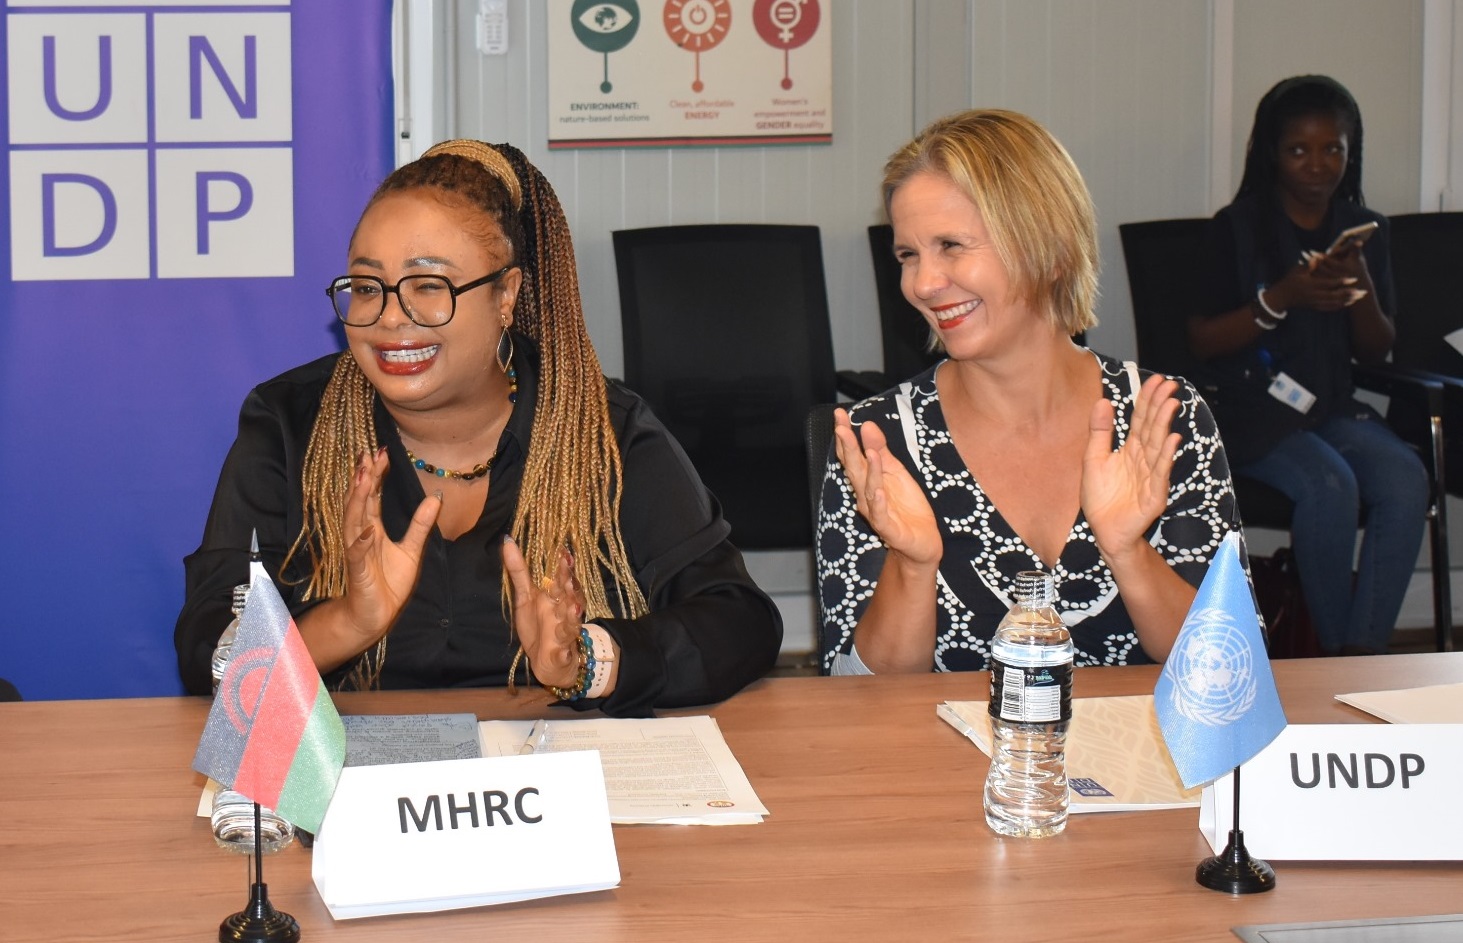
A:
(1124, 491)
(546, 616)
(886, 495)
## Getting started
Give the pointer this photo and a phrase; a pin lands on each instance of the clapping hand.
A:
(546, 616)
(380, 573)
(1124, 491)
(887, 496)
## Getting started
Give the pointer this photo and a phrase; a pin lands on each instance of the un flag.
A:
(1216, 699)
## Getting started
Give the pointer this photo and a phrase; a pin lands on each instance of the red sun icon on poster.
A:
(698, 26)
(785, 25)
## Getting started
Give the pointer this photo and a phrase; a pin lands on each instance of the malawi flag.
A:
(273, 734)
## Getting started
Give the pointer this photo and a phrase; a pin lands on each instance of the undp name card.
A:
(416, 837)
(1346, 792)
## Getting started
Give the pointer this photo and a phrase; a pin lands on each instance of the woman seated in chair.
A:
(465, 452)
(1020, 450)
(1287, 317)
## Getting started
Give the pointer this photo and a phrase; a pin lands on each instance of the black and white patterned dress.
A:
(982, 554)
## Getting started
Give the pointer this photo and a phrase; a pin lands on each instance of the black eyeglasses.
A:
(429, 300)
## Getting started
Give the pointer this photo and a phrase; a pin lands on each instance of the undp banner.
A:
(179, 182)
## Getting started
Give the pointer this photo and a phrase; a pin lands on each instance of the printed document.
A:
(658, 771)
(1116, 758)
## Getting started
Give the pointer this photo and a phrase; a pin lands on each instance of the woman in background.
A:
(1021, 450)
(465, 451)
(1286, 320)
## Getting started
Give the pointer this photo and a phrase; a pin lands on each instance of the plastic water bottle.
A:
(1030, 707)
(232, 816)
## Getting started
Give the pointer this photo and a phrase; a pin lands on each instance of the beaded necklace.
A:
(478, 471)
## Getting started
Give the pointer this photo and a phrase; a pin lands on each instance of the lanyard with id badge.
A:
(1284, 387)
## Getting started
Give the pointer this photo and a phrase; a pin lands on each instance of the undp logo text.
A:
(153, 142)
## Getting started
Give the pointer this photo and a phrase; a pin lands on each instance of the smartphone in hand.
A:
(1356, 235)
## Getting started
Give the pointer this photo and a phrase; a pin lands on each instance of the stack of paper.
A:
(1116, 758)
(1435, 704)
(658, 771)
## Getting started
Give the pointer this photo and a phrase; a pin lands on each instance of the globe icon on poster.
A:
(605, 28)
(697, 25)
(1213, 672)
(786, 25)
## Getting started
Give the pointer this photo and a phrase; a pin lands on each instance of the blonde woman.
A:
(460, 498)
(1019, 451)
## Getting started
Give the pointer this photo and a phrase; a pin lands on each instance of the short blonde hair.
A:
(1031, 197)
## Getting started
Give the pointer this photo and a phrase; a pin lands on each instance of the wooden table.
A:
(876, 832)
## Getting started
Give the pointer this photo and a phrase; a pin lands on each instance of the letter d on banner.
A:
(76, 214)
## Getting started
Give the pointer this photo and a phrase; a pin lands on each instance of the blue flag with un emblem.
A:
(1216, 699)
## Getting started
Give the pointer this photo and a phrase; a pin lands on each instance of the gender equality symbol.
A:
(697, 25)
(605, 28)
(785, 25)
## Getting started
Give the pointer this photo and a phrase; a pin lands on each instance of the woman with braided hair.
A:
(460, 498)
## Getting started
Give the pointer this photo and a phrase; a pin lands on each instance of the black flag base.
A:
(1233, 869)
(259, 922)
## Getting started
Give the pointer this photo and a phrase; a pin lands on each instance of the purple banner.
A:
(178, 184)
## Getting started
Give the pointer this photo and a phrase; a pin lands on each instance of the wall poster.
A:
(665, 73)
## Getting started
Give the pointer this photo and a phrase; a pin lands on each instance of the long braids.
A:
(573, 469)
(570, 494)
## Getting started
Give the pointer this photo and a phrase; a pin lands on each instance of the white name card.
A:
(415, 837)
(1346, 792)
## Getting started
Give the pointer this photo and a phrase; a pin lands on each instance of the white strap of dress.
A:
(905, 408)
(1135, 383)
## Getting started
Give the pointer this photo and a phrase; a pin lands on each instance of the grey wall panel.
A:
(1123, 84)
(1374, 49)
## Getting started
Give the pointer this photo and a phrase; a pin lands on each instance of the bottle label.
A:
(1037, 695)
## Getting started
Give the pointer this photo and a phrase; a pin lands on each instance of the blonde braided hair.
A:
(570, 494)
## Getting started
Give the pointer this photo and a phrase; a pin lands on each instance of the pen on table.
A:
(535, 737)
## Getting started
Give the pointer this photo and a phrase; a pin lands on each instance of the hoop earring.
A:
(504, 355)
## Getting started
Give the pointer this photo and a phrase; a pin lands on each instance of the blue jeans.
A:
(1347, 469)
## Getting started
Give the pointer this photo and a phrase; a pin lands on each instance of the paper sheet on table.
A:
(1116, 758)
(1455, 339)
(1434, 704)
(658, 771)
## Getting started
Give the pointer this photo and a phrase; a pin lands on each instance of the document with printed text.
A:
(658, 771)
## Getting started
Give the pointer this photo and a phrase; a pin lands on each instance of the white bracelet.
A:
(1277, 315)
(604, 655)
(1264, 325)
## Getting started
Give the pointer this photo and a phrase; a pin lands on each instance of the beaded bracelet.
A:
(584, 675)
(602, 652)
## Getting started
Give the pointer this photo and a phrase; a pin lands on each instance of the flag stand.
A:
(1233, 869)
(259, 922)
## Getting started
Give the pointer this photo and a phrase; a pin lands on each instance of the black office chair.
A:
(8, 691)
(1425, 247)
(726, 336)
(817, 437)
(1161, 256)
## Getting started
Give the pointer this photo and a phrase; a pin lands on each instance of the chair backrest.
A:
(1162, 257)
(1425, 247)
(817, 437)
(903, 330)
(727, 337)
